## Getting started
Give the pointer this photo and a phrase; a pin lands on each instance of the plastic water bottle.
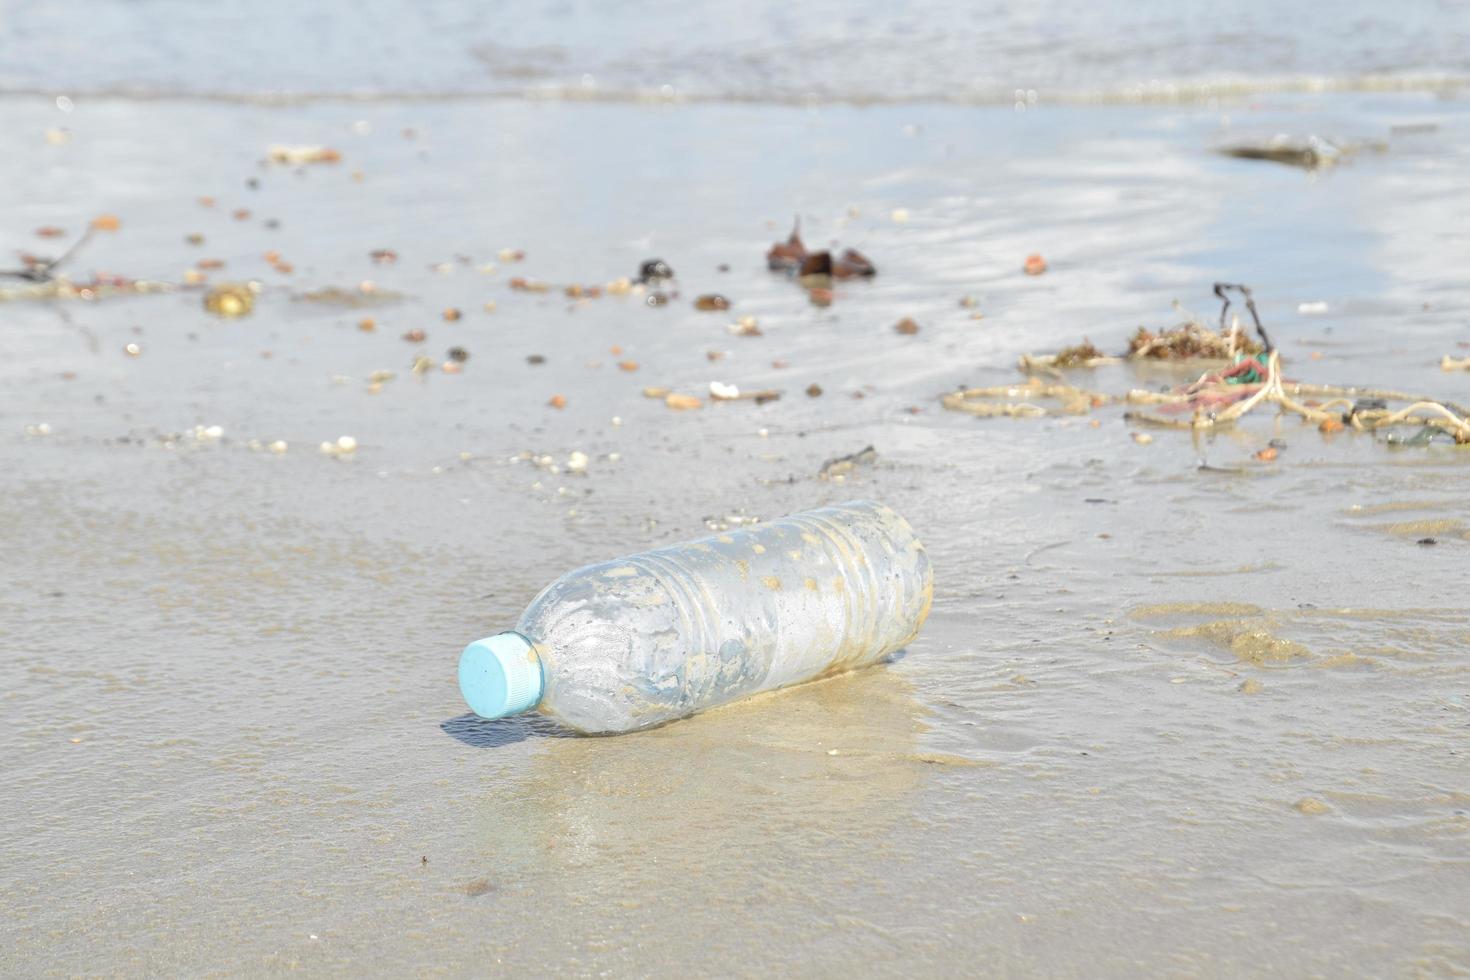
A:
(639, 641)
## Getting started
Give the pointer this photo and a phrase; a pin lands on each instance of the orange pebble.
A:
(628, 365)
(558, 401)
(451, 314)
(614, 350)
(1330, 426)
(106, 222)
(1035, 265)
(1267, 455)
(242, 214)
(367, 324)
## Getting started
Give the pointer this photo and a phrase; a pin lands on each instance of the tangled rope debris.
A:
(1251, 377)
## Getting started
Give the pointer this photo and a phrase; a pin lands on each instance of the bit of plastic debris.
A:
(1308, 309)
(720, 391)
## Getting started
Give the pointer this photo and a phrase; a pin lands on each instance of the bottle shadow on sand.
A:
(485, 733)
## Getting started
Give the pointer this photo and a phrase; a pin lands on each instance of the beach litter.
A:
(1246, 373)
(816, 271)
(1307, 153)
(841, 467)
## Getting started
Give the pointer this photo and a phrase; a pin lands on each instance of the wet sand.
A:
(1162, 719)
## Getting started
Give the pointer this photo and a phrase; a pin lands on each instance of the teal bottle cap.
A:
(500, 675)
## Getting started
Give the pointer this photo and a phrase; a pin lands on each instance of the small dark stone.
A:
(1427, 541)
(814, 390)
(655, 270)
(459, 355)
(535, 359)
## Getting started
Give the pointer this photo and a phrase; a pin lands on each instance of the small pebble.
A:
(900, 215)
(459, 354)
(1142, 438)
(1035, 265)
(451, 314)
(535, 359)
(1311, 807)
(681, 403)
(720, 391)
(814, 390)
(278, 447)
(415, 336)
(132, 350)
(1266, 455)
(712, 301)
(558, 401)
(367, 324)
(906, 326)
(577, 462)
(230, 300)
(628, 365)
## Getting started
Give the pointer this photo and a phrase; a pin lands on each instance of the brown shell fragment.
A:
(787, 256)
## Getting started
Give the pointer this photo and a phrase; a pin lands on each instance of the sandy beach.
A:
(1179, 709)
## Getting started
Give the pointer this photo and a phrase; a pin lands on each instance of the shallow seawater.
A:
(1163, 718)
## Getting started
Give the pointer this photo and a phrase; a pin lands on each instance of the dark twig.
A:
(43, 270)
(1250, 304)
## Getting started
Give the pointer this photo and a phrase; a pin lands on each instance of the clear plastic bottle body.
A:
(636, 642)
